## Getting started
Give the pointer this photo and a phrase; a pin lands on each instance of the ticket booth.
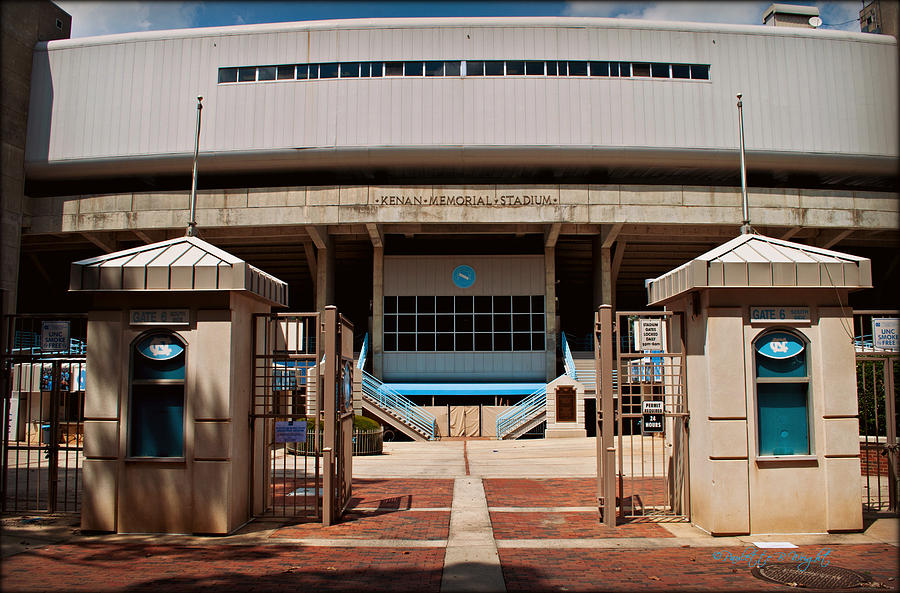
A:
(169, 362)
(771, 385)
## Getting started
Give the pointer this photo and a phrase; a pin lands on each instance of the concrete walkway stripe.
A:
(471, 562)
(542, 509)
(625, 543)
(413, 509)
(363, 543)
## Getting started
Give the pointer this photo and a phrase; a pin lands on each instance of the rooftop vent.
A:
(790, 15)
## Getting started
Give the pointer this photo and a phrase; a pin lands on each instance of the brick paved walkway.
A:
(222, 568)
(560, 492)
(402, 493)
(667, 569)
(414, 525)
(566, 525)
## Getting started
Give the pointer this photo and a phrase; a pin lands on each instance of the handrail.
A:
(400, 406)
(363, 352)
(522, 412)
(568, 361)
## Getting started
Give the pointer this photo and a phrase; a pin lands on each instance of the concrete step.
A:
(386, 415)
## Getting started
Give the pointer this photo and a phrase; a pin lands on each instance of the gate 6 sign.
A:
(774, 314)
(651, 417)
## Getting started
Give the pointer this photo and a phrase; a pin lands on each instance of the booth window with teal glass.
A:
(782, 394)
(157, 396)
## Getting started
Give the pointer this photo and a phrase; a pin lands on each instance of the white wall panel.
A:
(814, 93)
(431, 275)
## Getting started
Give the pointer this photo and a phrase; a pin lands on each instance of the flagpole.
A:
(745, 204)
(192, 225)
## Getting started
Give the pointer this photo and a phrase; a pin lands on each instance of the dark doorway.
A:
(590, 417)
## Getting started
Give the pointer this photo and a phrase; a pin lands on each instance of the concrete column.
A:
(325, 275)
(604, 282)
(596, 258)
(376, 340)
(550, 308)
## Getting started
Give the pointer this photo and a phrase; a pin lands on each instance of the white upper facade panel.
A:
(805, 92)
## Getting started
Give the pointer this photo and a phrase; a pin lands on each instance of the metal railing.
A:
(587, 377)
(366, 441)
(399, 406)
(522, 412)
(30, 343)
(568, 361)
(363, 353)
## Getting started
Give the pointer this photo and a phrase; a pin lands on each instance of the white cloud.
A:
(105, 18)
(590, 8)
(738, 13)
(839, 13)
(707, 12)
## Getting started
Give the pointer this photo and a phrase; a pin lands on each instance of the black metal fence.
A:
(44, 374)
(877, 367)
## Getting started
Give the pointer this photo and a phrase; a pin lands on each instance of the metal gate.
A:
(646, 473)
(294, 370)
(43, 366)
(337, 380)
(877, 367)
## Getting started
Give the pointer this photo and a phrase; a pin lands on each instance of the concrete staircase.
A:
(585, 372)
(391, 407)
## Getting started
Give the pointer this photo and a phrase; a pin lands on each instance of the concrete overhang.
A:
(756, 261)
(183, 264)
(458, 158)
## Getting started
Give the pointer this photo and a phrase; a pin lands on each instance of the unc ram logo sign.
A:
(779, 345)
(160, 347)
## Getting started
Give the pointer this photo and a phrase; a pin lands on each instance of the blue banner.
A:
(779, 345)
(160, 347)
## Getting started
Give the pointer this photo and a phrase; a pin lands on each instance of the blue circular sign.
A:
(779, 345)
(160, 347)
(463, 276)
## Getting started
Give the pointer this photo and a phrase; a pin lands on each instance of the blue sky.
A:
(102, 18)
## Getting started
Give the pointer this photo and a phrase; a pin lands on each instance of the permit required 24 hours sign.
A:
(651, 417)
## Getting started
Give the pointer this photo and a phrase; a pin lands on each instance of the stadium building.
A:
(466, 191)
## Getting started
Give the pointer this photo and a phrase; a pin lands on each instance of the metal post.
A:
(605, 385)
(53, 440)
(328, 395)
(192, 224)
(598, 416)
(745, 227)
(890, 417)
(327, 486)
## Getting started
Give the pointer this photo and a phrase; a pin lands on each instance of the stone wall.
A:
(574, 204)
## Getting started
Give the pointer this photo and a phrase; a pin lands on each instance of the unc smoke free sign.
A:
(884, 333)
(54, 336)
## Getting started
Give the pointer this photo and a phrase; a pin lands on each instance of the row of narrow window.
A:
(464, 68)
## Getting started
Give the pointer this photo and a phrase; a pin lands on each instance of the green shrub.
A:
(359, 422)
(363, 423)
